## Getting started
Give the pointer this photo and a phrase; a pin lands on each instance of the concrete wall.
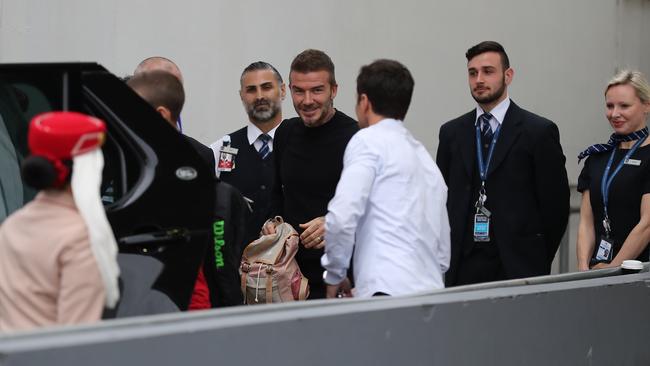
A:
(563, 52)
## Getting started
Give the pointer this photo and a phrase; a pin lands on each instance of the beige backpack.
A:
(269, 272)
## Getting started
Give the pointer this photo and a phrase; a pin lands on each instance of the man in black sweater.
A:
(309, 159)
(251, 147)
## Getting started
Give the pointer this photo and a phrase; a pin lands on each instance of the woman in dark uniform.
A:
(615, 181)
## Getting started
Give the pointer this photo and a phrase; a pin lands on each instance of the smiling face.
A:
(625, 112)
(313, 96)
(488, 82)
(261, 94)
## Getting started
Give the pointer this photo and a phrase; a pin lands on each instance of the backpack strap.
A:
(244, 275)
(269, 284)
(302, 294)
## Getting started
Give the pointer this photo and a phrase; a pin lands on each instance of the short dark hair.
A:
(160, 88)
(261, 65)
(489, 46)
(389, 87)
(313, 60)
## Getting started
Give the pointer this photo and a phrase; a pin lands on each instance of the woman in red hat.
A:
(58, 253)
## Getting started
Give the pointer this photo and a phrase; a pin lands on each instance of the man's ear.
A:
(363, 105)
(167, 115)
(509, 74)
(335, 88)
(283, 90)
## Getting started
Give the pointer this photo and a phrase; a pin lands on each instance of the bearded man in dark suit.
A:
(508, 199)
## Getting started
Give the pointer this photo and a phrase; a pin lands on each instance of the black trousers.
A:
(481, 264)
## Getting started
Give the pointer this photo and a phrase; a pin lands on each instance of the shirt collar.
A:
(498, 113)
(253, 132)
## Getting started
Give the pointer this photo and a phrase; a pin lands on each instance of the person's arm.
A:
(638, 238)
(444, 246)
(81, 295)
(586, 234)
(443, 156)
(346, 208)
(551, 187)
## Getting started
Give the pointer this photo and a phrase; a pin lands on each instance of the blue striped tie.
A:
(486, 130)
(265, 150)
(614, 140)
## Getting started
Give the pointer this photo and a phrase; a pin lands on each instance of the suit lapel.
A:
(510, 130)
(467, 141)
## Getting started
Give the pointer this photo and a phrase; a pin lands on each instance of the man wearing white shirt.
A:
(389, 205)
(250, 149)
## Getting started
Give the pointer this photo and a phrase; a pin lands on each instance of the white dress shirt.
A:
(390, 205)
(252, 133)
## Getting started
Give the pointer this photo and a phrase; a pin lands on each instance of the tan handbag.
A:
(269, 271)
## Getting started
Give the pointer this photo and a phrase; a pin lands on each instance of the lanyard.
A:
(483, 166)
(606, 182)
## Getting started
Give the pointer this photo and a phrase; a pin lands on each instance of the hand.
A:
(268, 228)
(344, 289)
(583, 267)
(602, 265)
(314, 235)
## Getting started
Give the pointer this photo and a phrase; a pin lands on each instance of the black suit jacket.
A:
(527, 190)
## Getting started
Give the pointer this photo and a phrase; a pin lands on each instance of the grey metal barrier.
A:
(589, 318)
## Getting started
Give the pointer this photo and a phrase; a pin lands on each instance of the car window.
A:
(25, 94)
(123, 162)
(15, 112)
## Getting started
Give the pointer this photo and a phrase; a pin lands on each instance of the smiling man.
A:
(508, 198)
(251, 147)
(309, 158)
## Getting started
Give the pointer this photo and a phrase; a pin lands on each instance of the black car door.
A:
(158, 193)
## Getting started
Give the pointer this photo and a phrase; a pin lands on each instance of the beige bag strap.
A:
(302, 294)
(269, 285)
(243, 285)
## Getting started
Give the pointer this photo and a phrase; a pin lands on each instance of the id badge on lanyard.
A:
(482, 221)
(481, 227)
(227, 155)
(605, 248)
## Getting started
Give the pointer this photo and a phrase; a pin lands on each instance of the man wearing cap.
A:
(251, 148)
(58, 253)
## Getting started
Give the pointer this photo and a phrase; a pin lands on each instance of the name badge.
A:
(604, 252)
(481, 227)
(227, 156)
(634, 162)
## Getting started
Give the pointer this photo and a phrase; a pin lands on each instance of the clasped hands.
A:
(313, 235)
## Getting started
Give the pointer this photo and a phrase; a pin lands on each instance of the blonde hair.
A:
(635, 79)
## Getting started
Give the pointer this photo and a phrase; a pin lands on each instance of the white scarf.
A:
(86, 182)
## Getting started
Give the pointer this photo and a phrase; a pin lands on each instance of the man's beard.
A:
(263, 115)
(489, 98)
(324, 117)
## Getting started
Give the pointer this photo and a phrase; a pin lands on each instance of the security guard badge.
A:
(227, 155)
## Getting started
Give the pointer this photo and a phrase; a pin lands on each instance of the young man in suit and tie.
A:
(508, 198)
